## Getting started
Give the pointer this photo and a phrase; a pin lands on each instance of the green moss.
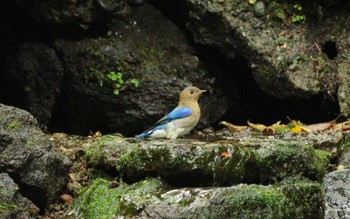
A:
(100, 201)
(319, 164)
(93, 153)
(6, 206)
(13, 124)
(289, 199)
(320, 66)
(266, 200)
(289, 160)
(277, 11)
(306, 196)
(30, 142)
(346, 142)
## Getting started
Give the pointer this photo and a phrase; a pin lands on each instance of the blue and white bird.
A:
(181, 120)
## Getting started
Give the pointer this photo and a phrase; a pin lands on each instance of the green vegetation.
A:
(119, 83)
(346, 143)
(6, 206)
(277, 11)
(13, 124)
(298, 18)
(321, 66)
(292, 198)
(100, 201)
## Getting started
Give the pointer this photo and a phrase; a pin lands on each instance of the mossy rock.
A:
(288, 199)
(100, 201)
(151, 198)
(188, 162)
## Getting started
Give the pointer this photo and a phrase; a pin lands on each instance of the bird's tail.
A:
(150, 131)
(145, 134)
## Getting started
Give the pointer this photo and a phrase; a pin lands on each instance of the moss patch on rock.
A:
(199, 163)
(100, 201)
(289, 199)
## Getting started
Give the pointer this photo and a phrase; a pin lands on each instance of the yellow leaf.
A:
(299, 128)
(252, 2)
(340, 167)
(258, 127)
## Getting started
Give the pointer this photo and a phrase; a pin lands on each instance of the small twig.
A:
(318, 47)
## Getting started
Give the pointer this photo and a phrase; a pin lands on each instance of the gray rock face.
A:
(344, 158)
(241, 201)
(31, 77)
(161, 61)
(336, 187)
(12, 203)
(344, 87)
(70, 12)
(284, 58)
(27, 155)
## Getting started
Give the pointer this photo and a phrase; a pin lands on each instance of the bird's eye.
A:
(191, 91)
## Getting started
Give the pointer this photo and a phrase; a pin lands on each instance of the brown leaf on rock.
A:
(320, 127)
(233, 128)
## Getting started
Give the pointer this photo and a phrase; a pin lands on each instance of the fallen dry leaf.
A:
(319, 127)
(66, 198)
(233, 128)
(225, 154)
(256, 126)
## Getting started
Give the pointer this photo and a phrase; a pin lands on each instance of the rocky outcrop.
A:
(152, 67)
(152, 198)
(27, 156)
(243, 175)
(200, 163)
(337, 192)
(285, 58)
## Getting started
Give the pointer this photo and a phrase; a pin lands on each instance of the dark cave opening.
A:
(330, 49)
(33, 193)
(255, 105)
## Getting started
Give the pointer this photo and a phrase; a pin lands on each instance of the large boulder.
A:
(292, 52)
(27, 155)
(148, 68)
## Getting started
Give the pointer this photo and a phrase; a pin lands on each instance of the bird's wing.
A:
(177, 113)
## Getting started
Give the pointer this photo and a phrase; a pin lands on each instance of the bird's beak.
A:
(202, 91)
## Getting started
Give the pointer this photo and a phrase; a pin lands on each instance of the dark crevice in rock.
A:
(18, 25)
(236, 79)
(176, 11)
(330, 49)
(33, 193)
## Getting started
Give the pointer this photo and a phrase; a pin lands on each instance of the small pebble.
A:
(259, 9)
